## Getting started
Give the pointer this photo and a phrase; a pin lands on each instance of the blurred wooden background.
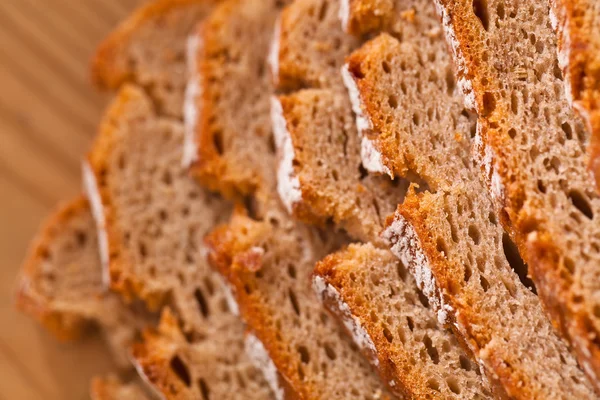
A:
(48, 116)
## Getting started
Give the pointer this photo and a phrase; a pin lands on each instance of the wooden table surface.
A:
(48, 116)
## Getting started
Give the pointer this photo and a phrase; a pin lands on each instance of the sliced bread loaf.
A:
(61, 284)
(531, 147)
(112, 388)
(229, 139)
(406, 94)
(148, 48)
(577, 23)
(154, 218)
(269, 264)
(371, 291)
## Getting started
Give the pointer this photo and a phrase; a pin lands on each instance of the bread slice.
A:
(269, 263)
(113, 388)
(531, 146)
(148, 48)
(61, 286)
(154, 217)
(223, 124)
(577, 24)
(372, 292)
(320, 176)
(189, 367)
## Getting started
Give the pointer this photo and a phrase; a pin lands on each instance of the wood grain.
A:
(48, 117)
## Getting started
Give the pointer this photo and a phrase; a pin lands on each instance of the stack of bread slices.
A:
(337, 199)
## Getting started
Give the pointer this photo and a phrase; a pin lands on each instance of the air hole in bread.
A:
(241, 380)
(304, 355)
(514, 103)
(441, 246)
(474, 234)
(541, 186)
(489, 104)
(121, 164)
(480, 8)
(167, 178)
(393, 101)
(294, 301)
(411, 324)
(485, 285)
(292, 271)
(516, 262)
(363, 172)
(431, 350)
(433, 384)
(423, 299)
(581, 202)
(218, 141)
(204, 391)
(202, 304)
(465, 363)
(453, 385)
(143, 250)
(386, 67)
(500, 11)
(468, 273)
(567, 130)
(402, 273)
(330, 352)
(181, 370)
(388, 335)
(81, 238)
(323, 11)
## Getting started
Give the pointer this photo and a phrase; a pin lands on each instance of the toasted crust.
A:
(109, 66)
(576, 23)
(360, 17)
(65, 325)
(535, 234)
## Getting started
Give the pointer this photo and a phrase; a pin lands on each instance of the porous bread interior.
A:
(532, 147)
(269, 263)
(61, 283)
(156, 217)
(425, 360)
(502, 322)
(328, 166)
(199, 366)
(311, 46)
(326, 147)
(235, 145)
(148, 48)
(409, 87)
(419, 123)
(577, 24)
(112, 388)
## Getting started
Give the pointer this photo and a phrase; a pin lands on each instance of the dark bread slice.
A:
(113, 388)
(319, 174)
(181, 366)
(417, 119)
(269, 265)
(222, 124)
(154, 217)
(531, 147)
(148, 48)
(61, 284)
(577, 24)
(376, 298)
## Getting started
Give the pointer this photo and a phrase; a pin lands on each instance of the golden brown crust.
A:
(129, 99)
(365, 16)
(536, 244)
(64, 325)
(108, 69)
(112, 388)
(579, 51)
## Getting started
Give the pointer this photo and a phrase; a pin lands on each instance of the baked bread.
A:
(448, 236)
(154, 217)
(531, 147)
(375, 296)
(61, 286)
(184, 366)
(148, 48)
(360, 17)
(578, 35)
(222, 125)
(113, 388)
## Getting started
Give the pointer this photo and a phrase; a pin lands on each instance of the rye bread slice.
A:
(229, 142)
(375, 296)
(148, 48)
(112, 387)
(154, 218)
(577, 25)
(320, 176)
(531, 147)
(61, 284)
(405, 94)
